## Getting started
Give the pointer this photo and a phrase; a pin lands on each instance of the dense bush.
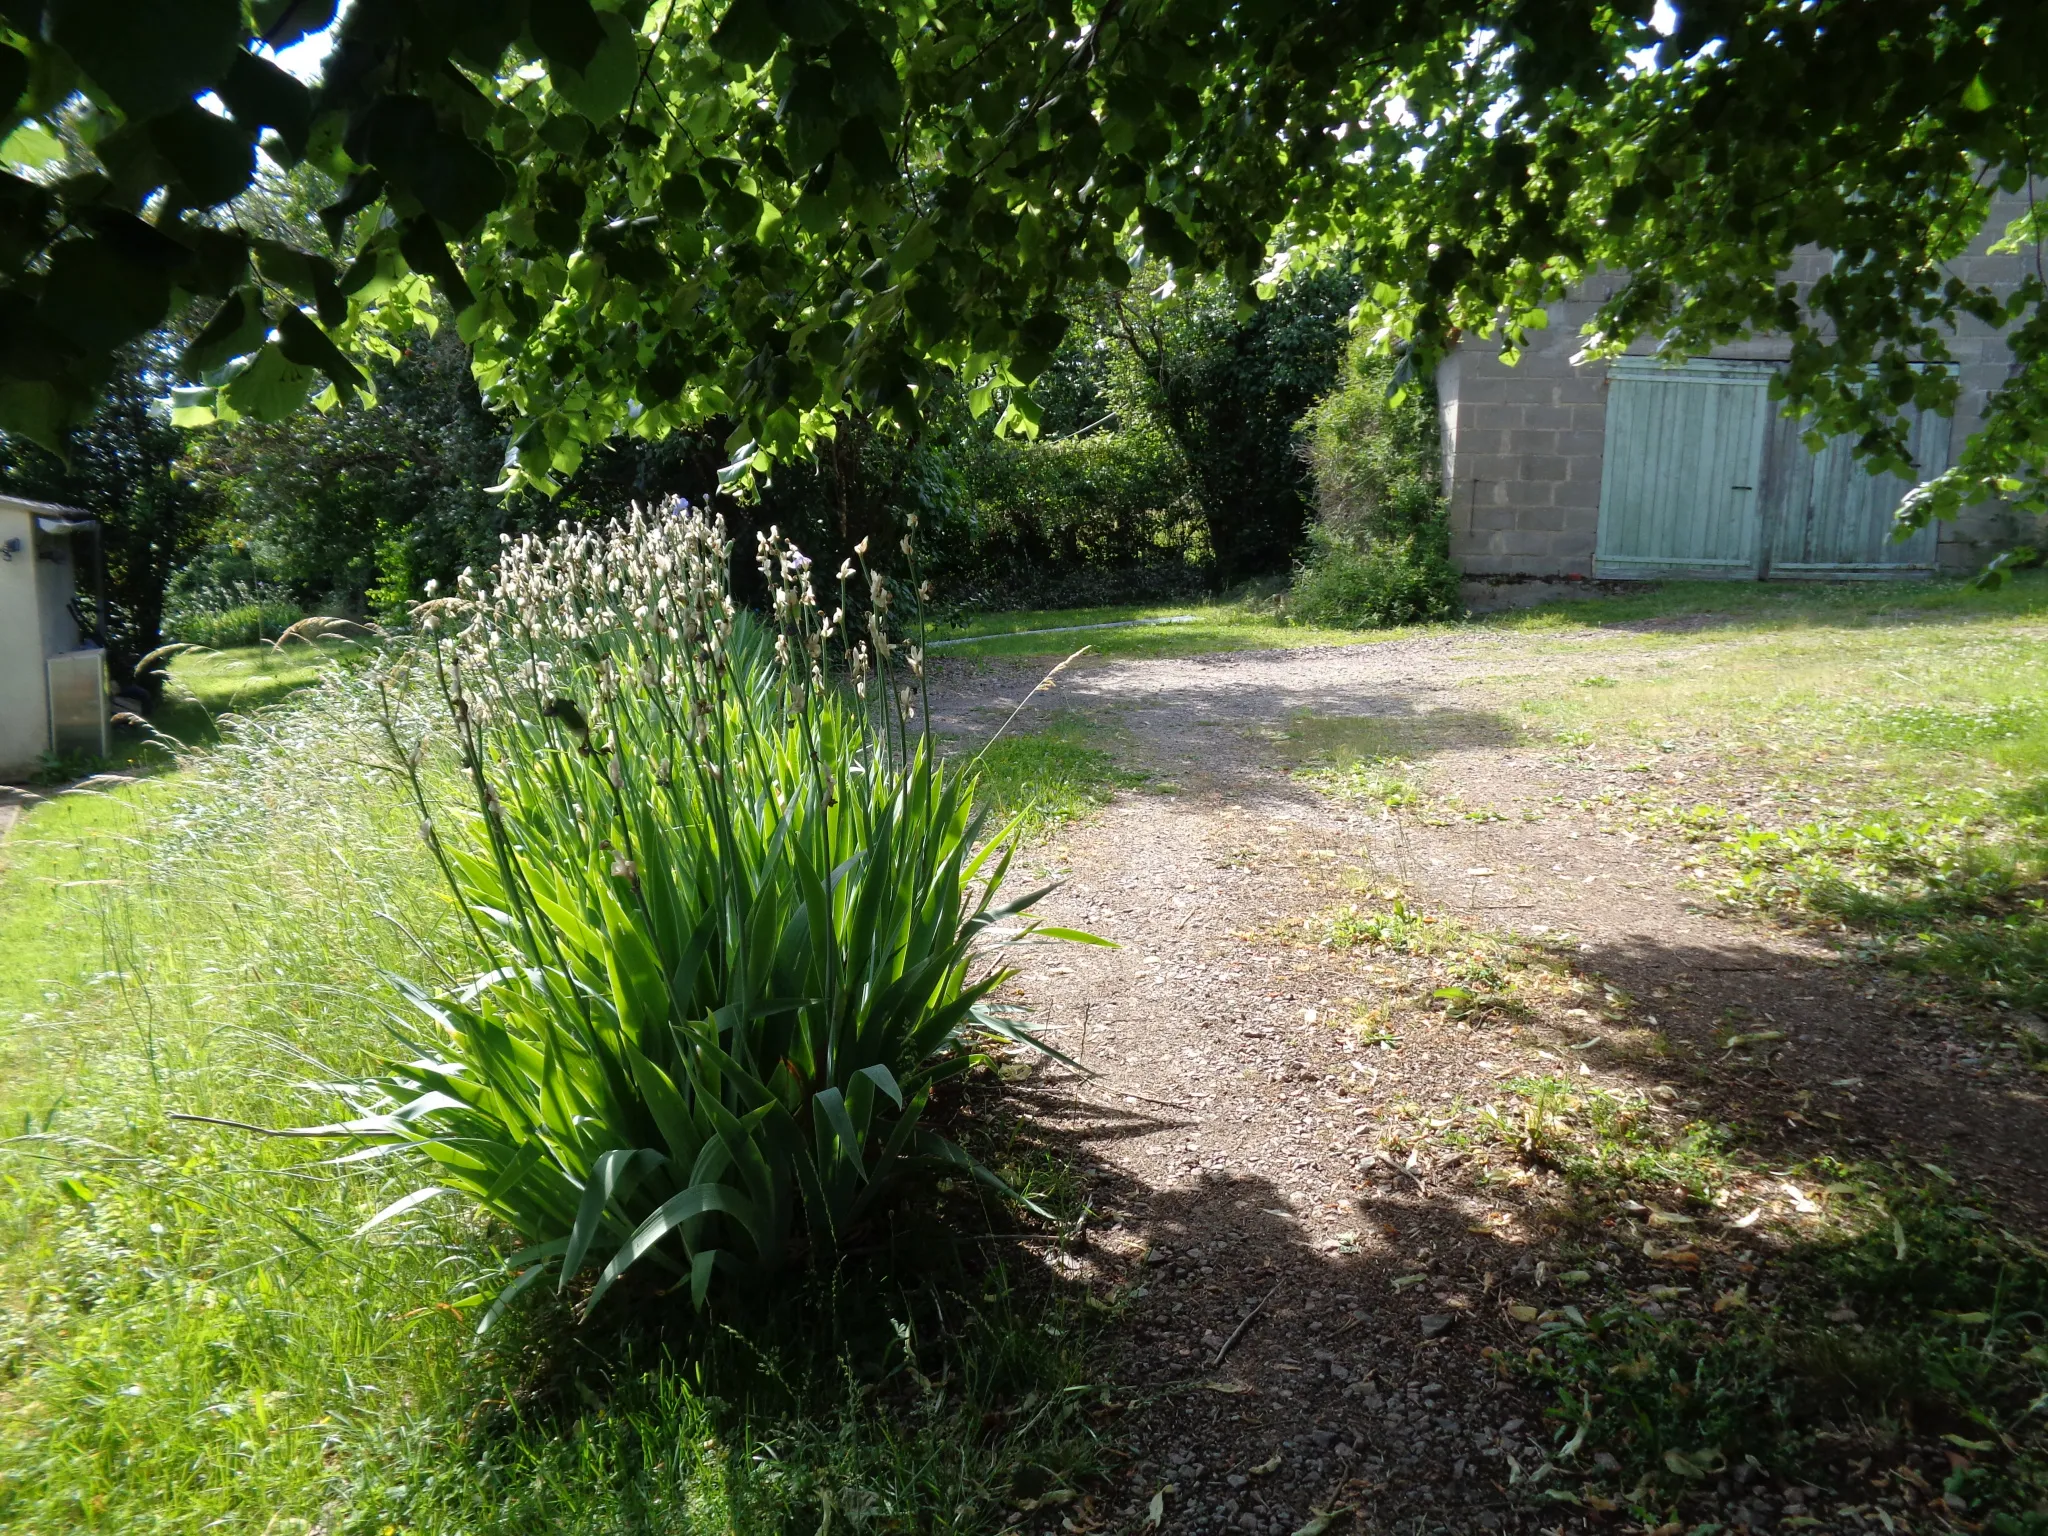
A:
(733, 913)
(1102, 516)
(1351, 582)
(1229, 383)
(1380, 552)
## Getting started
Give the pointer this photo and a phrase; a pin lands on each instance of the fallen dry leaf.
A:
(1676, 1253)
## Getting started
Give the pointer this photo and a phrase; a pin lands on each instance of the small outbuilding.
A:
(53, 668)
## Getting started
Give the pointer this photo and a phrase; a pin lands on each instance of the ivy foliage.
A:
(653, 214)
(1379, 552)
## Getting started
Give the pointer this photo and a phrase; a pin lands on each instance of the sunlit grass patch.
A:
(1870, 762)
(1212, 626)
(1955, 726)
(1053, 773)
(247, 676)
(1473, 977)
(200, 687)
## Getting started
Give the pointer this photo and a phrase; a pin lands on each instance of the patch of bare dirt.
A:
(1234, 1139)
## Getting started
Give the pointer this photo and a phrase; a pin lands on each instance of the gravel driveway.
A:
(1231, 1136)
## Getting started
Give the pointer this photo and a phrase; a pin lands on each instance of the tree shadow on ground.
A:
(1821, 1054)
(1738, 1248)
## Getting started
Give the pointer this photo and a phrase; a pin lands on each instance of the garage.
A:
(1703, 478)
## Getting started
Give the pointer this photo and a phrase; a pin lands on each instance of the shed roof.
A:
(42, 508)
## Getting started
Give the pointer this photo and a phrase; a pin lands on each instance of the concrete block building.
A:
(1636, 468)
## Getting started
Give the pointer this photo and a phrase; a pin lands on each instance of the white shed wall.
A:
(24, 698)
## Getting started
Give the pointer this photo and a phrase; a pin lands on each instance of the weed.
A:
(54, 768)
(1393, 925)
(1382, 781)
(1607, 1142)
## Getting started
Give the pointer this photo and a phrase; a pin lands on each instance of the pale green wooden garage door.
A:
(1702, 477)
(1678, 481)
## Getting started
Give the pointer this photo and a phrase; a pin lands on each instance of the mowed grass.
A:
(1870, 759)
(1052, 771)
(1212, 627)
(195, 1336)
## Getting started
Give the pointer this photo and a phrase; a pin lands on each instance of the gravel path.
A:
(1233, 1138)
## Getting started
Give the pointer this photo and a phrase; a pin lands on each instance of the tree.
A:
(776, 210)
(128, 471)
(354, 509)
(1231, 382)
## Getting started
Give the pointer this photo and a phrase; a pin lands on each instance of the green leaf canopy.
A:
(652, 214)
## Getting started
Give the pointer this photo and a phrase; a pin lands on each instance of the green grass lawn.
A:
(1216, 626)
(1871, 759)
(1778, 605)
(193, 1336)
(202, 686)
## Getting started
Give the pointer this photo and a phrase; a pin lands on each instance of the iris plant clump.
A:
(738, 921)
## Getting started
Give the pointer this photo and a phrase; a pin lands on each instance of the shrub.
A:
(730, 911)
(233, 613)
(1380, 552)
(1353, 582)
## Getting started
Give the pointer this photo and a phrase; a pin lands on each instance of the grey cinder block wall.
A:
(1524, 446)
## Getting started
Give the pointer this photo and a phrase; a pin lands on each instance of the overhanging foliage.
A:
(652, 214)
